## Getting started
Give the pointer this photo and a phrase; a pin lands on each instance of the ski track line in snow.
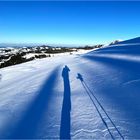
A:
(131, 82)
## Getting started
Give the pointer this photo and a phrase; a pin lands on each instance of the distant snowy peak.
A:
(115, 42)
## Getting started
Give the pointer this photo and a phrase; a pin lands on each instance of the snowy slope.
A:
(130, 41)
(95, 97)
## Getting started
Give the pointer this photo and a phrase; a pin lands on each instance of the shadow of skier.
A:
(66, 107)
(96, 103)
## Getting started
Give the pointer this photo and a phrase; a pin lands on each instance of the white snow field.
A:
(95, 96)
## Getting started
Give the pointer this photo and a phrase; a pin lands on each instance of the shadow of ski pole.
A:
(104, 111)
(89, 92)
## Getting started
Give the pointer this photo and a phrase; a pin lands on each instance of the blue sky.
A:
(68, 22)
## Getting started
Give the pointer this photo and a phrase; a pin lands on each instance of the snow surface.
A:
(78, 51)
(95, 96)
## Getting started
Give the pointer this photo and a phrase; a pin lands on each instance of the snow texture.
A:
(88, 96)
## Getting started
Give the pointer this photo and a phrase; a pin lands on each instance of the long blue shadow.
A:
(66, 107)
(28, 125)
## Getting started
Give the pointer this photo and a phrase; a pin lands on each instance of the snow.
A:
(30, 55)
(79, 51)
(130, 41)
(97, 98)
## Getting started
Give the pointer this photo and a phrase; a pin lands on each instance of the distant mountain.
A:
(15, 45)
(115, 42)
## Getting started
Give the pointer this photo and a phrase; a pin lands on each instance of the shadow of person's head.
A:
(65, 71)
(80, 77)
(66, 68)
